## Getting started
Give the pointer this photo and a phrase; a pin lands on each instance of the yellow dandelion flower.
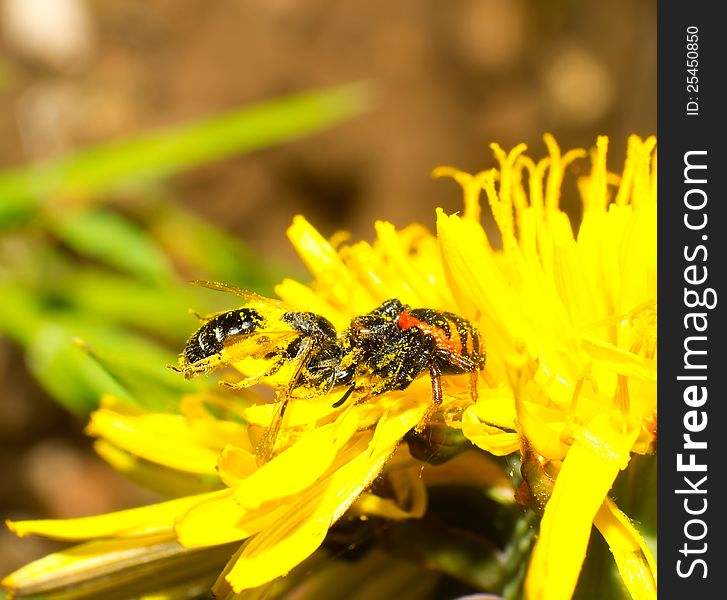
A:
(569, 323)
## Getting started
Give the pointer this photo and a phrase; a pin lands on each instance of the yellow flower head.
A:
(570, 383)
(571, 324)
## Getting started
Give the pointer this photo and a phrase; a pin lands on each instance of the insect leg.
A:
(460, 361)
(436, 376)
(466, 365)
(254, 379)
(473, 386)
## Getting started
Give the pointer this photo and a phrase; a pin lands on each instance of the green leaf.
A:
(133, 367)
(169, 483)
(161, 309)
(131, 162)
(67, 373)
(111, 239)
(210, 252)
(148, 380)
(21, 312)
(469, 537)
(635, 493)
(122, 569)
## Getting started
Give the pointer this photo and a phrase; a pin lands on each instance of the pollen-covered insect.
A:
(205, 348)
(267, 329)
(381, 351)
(397, 344)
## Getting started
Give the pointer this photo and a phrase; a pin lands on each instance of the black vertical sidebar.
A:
(692, 296)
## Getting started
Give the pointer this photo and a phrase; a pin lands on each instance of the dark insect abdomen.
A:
(452, 333)
(210, 338)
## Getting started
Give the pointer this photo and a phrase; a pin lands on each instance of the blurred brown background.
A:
(449, 76)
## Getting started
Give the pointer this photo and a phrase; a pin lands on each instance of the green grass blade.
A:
(129, 163)
(123, 363)
(67, 373)
(161, 309)
(149, 381)
(111, 239)
(210, 252)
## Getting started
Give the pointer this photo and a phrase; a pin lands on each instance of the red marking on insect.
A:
(452, 344)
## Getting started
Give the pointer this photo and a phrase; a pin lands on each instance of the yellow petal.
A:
(478, 284)
(219, 520)
(376, 506)
(598, 452)
(635, 562)
(620, 361)
(298, 466)
(302, 296)
(488, 437)
(144, 521)
(496, 406)
(216, 432)
(543, 427)
(236, 464)
(638, 259)
(558, 372)
(425, 292)
(579, 298)
(161, 438)
(323, 262)
(410, 501)
(317, 254)
(372, 272)
(139, 568)
(591, 232)
(298, 413)
(301, 530)
(615, 225)
(170, 483)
